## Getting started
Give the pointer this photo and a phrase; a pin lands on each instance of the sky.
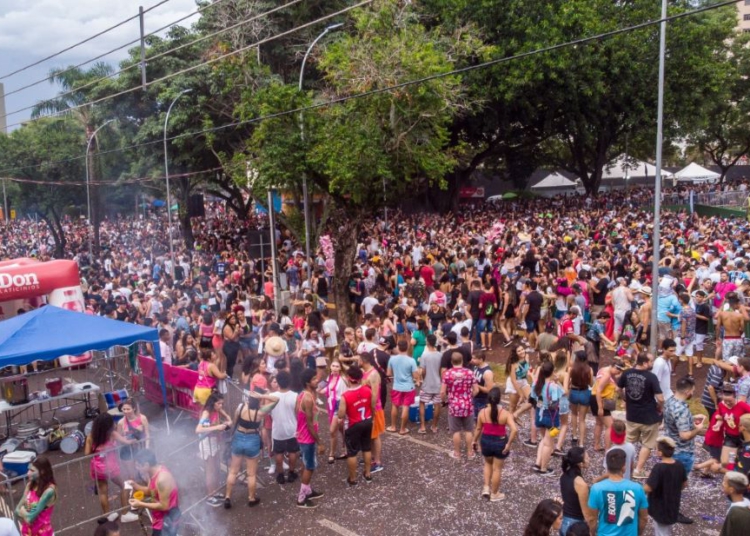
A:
(31, 30)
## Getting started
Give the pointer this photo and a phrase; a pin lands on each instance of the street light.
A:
(88, 190)
(305, 200)
(166, 174)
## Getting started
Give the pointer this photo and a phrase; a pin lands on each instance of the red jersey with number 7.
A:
(358, 404)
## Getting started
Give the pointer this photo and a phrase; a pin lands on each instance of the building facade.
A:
(743, 8)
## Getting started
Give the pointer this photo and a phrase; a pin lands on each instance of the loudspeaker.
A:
(195, 206)
(258, 243)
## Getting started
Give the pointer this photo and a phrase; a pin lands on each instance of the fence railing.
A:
(733, 198)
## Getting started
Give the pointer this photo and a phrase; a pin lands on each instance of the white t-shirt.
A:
(368, 304)
(629, 457)
(166, 352)
(284, 419)
(331, 329)
(663, 370)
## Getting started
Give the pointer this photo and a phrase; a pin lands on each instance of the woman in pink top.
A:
(491, 432)
(208, 374)
(307, 437)
(333, 388)
(103, 441)
(35, 509)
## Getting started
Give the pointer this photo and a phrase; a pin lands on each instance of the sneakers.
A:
(510, 341)
(113, 517)
(536, 468)
(306, 504)
(530, 443)
(376, 468)
(280, 479)
(292, 476)
(683, 519)
(227, 503)
(558, 452)
(497, 497)
(547, 473)
(640, 475)
(351, 483)
(485, 492)
(315, 495)
(213, 502)
(129, 517)
(254, 502)
(368, 479)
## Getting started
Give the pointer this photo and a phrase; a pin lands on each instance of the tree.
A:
(722, 130)
(51, 151)
(350, 150)
(79, 87)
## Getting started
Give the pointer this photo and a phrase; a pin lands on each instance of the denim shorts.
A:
(479, 405)
(687, 459)
(492, 446)
(567, 522)
(247, 445)
(308, 455)
(580, 397)
(564, 405)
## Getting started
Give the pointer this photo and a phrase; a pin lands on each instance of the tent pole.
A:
(162, 380)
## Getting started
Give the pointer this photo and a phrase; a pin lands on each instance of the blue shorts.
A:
(308, 455)
(492, 446)
(687, 459)
(580, 397)
(247, 445)
(532, 325)
(479, 405)
(564, 405)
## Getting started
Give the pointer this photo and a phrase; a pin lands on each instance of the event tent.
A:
(696, 173)
(49, 332)
(621, 167)
(554, 180)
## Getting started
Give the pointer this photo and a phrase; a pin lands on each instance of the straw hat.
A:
(275, 346)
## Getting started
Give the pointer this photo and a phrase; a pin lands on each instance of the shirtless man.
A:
(371, 378)
(733, 322)
(162, 489)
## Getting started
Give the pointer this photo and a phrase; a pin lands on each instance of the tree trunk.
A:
(186, 227)
(345, 231)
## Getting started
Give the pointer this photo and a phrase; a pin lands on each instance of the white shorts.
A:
(699, 340)
(509, 386)
(209, 447)
(687, 349)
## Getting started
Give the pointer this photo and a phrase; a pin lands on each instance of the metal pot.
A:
(27, 429)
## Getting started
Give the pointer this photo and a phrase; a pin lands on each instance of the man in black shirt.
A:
(702, 314)
(599, 293)
(453, 346)
(664, 488)
(532, 312)
(475, 294)
(643, 408)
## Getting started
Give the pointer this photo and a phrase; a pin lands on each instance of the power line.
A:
(134, 180)
(129, 43)
(91, 38)
(186, 70)
(157, 56)
(192, 68)
(295, 111)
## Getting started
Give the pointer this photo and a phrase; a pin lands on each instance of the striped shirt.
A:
(715, 379)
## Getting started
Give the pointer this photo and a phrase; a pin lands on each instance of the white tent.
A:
(554, 180)
(631, 168)
(696, 173)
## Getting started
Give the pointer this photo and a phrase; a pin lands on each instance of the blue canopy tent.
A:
(50, 332)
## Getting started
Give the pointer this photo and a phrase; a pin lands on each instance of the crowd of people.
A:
(563, 287)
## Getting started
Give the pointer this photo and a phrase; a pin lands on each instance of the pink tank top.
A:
(42, 525)
(205, 381)
(174, 500)
(303, 432)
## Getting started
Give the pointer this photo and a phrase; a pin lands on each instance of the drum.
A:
(73, 442)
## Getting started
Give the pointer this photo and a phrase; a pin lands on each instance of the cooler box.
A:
(414, 411)
(19, 461)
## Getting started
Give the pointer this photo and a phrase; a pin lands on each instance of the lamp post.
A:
(166, 174)
(88, 189)
(657, 185)
(305, 200)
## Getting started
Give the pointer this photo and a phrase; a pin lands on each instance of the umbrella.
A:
(510, 195)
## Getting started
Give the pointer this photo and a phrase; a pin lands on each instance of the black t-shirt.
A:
(602, 286)
(641, 387)
(701, 326)
(743, 461)
(665, 480)
(534, 299)
(445, 361)
(436, 318)
(473, 300)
